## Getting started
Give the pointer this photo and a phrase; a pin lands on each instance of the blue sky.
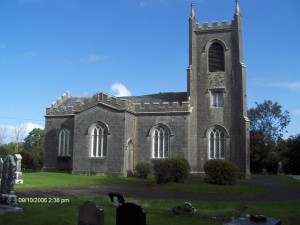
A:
(48, 47)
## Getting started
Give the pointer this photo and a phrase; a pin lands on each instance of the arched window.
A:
(216, 144)
(160, 142)
(216, 58)
(98, 134)
(64, 142)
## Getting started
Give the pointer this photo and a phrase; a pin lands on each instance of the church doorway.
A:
(129, 157)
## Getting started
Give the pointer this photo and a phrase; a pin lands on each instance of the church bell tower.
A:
(218, 125)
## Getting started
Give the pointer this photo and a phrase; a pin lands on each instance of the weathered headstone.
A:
(18, 159)
(130, 214)
(1, 164)
(280, 167)
(116, 199)
(185, 209)
(90, 214)
(8, 181)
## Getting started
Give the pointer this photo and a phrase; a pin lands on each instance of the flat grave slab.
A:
(246, 220)
(9, 209)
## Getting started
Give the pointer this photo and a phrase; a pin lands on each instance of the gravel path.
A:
(278, 191)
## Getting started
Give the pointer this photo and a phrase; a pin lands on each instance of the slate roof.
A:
(70, 101)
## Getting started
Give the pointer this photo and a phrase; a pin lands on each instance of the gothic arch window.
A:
(160, 142)
(216, 143)
(216, 58)
(64, 142)
(98, 136)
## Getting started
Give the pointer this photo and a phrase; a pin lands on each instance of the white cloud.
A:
(31, 126)
(8, 130)
(94, 58)
(119, 89)
(288, 85)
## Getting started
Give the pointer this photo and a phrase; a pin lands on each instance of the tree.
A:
(18, 136)
(268, 124)
(34, 138)
(3, 135)
(291, 154)
(33, 149)
(269, 120)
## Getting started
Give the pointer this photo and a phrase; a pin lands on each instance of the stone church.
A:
(110, 135)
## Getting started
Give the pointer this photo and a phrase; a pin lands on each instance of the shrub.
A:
(171, 169)
(181, 169)
(163, 171)
(220, 171)
(143, 169)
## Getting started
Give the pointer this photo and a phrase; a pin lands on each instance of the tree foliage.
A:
(33, 149)
(18, 135)
(268, 123)
(269, 120)
(290, 150)
(34, 138)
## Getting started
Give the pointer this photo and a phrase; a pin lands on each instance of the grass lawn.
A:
(58, 180)
(158, 210)
(198, 186)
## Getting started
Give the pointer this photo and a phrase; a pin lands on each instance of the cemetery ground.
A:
(54, 198)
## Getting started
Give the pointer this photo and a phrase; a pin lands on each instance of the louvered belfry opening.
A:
(216, 58)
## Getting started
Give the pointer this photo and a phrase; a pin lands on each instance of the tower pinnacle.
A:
(237, 7)
(192, 10)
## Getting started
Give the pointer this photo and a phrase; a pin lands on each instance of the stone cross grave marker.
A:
(90, 214)
(8, 181)
(130, 214)
(18, 159)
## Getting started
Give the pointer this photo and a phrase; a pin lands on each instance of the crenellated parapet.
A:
(58, 108)
(67, 105)
(164, 107)
(215, 26)
(60, 100)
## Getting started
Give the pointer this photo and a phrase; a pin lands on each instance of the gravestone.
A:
(90, 214)
(280, 168)
(8, 181)
(116, 199)
(130, 214)
(1, 164)
(185, 209)
(254, 219)
(18, 159)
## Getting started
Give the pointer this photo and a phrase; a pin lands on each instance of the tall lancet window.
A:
(64, 142)
(216, 144)
(98, 134)
(216, 58)
(160, 143)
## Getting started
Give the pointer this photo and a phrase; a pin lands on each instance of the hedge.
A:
(171, 170)
(219, 171)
